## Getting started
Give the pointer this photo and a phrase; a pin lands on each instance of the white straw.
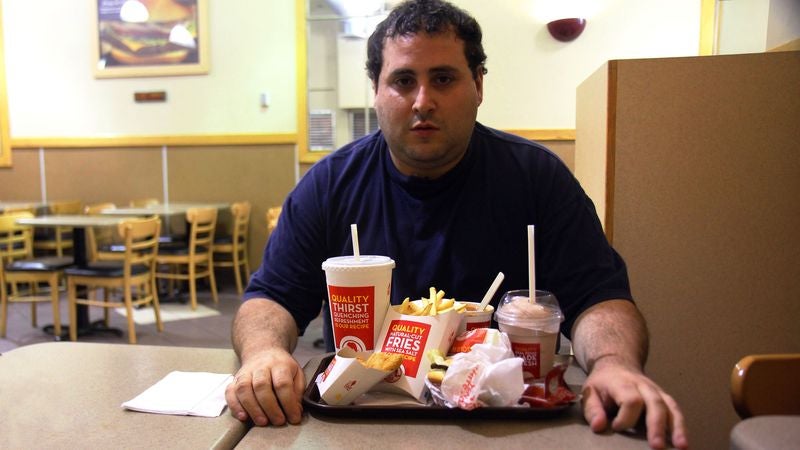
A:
(490, 293)
(531, 266)
(354, 233)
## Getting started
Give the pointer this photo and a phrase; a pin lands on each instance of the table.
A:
(766, 432)
(68, 395)
(165, 210)
(568, 430)
(78, 223)
(13, 205)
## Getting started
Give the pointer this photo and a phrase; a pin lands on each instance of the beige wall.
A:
(704, 209)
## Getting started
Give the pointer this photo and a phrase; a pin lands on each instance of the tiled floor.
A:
(202, 332)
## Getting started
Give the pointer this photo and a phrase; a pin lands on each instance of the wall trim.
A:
(154, 141)
(224, 139)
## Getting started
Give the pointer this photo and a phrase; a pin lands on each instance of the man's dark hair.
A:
(431, 17)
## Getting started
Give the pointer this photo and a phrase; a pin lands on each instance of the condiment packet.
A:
(488, 375)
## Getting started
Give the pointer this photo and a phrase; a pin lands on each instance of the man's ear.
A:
(479, 85)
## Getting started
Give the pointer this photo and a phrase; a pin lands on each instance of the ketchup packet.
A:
(553, 391)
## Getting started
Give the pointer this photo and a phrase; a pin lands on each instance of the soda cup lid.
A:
(364, 261)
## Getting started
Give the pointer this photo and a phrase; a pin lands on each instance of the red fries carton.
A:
(345, 378)
(412, 336)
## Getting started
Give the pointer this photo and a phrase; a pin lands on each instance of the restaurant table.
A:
(68, 395)
(565, 430)
(14, 205)
(78, 223)
(165, 210)
(766, 432)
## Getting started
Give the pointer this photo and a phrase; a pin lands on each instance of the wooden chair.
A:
(231, 250)
(17, 266)
(57, 239)
(99, 239)
(133, 275)
(196, 256)
(273, 214)
(144, 202)
(766, 384)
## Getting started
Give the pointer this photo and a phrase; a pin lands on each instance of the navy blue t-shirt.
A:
(454, 233)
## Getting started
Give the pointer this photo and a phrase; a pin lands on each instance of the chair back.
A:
(766, 384)
(241, 221)
(66, 207)
(16, 241)
(97, 236)
(144, 202)
(273, 214)
(141, 242)
(202, 225)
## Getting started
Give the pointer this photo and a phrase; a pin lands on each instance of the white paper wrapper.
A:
(487, 375)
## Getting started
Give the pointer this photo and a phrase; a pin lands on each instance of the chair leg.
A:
(73, 316)
(237, 272)
(3, 308)
(106, 308)
(192, 286)
(156, 306)
(129, 310)
(54, 281)
(213, 281)
(34, 291)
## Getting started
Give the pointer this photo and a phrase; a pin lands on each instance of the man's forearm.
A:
(613, 330)
(262, 324)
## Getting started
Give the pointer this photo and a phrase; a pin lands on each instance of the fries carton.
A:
(345, 378)
(412, 336)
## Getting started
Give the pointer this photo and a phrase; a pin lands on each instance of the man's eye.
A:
(443, 79)
(404, 82)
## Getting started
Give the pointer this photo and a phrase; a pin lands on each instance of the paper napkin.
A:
(185, 394)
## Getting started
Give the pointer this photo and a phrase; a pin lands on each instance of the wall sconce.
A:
(566, 30)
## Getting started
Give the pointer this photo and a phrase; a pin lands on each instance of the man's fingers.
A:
(658, 415)
(593, 410)
(630, 403)
(267, 400)
(677, 423)
(237, 410)
(243, 389)
(283, 382)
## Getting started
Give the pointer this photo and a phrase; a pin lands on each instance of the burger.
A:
(151, 32)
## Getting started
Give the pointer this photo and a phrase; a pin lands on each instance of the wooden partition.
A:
(261, 174)
(696, 162)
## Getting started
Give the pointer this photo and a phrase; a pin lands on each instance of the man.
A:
(449, 200)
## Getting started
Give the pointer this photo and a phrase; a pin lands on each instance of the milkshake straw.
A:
(354, 234)
(490, 293)
(531, 266)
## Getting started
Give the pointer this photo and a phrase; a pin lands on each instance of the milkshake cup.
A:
(359, 288)
(532, 328)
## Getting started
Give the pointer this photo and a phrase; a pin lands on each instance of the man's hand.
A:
(610, 342)
(268, 389)
(613, 386)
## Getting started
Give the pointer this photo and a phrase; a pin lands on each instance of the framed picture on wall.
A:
(149, 38)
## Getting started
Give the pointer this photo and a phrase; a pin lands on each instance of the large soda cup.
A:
(358, 297)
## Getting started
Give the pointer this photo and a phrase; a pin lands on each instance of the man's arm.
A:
(610, 342)
(268, 387)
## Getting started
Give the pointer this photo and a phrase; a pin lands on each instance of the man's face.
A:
(427, 101)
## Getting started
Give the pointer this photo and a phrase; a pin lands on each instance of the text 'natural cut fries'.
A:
(383, 361)
(431, 306)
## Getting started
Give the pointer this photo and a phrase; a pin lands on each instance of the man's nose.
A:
(424, 102)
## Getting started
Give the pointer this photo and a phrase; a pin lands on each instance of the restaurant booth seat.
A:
(765, 392)
(194, 259)
(133, 275)
(18, 266)
(230, 250)
(58, 239)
